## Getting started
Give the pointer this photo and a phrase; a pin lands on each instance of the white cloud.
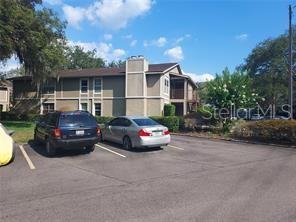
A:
(133, 43)
(74, 15)
(182, 38)
(103, 50)
(160, 42)
(54, 2)
(200, 78)
(108, 37)
(242, 37)
(112, 14)
(175, 54)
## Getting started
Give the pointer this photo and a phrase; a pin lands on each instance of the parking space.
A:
(191, 179)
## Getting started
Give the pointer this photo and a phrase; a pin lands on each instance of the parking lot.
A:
(190, 180)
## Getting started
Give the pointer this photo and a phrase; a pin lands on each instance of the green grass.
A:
(23, 131)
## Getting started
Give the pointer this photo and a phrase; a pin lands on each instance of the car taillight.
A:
(166, 132)
(144, 133)
(98, 131)
(57, 133)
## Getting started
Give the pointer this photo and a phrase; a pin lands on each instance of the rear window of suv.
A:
(77, 119)
(145, 122)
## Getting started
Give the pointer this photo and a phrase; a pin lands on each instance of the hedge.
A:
(17, 117)
(169, 110)
(171, 122)
(104, 119)
(278, 131)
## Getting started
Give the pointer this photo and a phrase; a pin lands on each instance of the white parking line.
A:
(175, 147)
(111, 151)
(29, 161)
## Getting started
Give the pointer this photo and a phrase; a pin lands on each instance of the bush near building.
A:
(169, 110)
(171, 122)
(278, 131)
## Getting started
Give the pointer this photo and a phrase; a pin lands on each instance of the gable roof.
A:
(91, 72)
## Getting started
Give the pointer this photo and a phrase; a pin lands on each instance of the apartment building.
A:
(5, 92)
(139, 88)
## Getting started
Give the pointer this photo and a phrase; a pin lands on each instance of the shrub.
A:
(199, 120)
(171, 122)
(169, 110)
(104, 119)
(283, 131)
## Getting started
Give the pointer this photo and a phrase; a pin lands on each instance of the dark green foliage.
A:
(11, 116)
(267, 65)
(104, 119)
(77, 58)
(35, 36)
(169, 110)
(171, 122)
(280, 131)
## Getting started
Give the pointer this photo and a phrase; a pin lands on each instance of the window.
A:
(83, 106)
(98, 109)
(48, 107)
(84, 86)
(166, 85)
(52, 119)
(145, 122)
(98, 85)
(77, 119)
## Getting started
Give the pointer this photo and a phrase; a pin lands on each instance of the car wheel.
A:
(50, 149)
(127, 144)
(90, 149)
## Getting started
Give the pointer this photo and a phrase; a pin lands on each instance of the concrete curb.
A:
(236, 140)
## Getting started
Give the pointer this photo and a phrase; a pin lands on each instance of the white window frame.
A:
(47, 104)
(94, 85)
(166, 87)
(80, 88)
(86, 106)
(95, 108)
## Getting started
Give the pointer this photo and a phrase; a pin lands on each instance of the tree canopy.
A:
(34, 36)
(267, 65)
(77, 58)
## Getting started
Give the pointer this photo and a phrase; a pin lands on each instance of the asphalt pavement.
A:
(192, 180)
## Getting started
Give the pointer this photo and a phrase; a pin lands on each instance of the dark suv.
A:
(69, 130)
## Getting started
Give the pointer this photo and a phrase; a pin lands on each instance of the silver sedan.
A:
(135, 131)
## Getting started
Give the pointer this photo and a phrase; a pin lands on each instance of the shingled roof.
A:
(153, 68)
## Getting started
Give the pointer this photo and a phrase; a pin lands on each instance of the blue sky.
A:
(203, 36)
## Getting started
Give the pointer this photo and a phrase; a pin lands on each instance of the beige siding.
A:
(154, 107)
(114, 86)
(136, 107)
(135, 84)
(71, 87)
(153, 85)
(3, 96)
(113, 107)
(67, 104)
(175, 70)
(190, 92)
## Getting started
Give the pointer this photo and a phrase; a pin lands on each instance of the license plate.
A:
(79, 132)
(157, 134)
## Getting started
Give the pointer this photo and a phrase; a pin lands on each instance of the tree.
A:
(35, 37)
(117, 64)
(231, 90)
(267, 65)
(77, 58)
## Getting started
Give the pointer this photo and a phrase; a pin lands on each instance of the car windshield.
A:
(77, 119)
(145, 122)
